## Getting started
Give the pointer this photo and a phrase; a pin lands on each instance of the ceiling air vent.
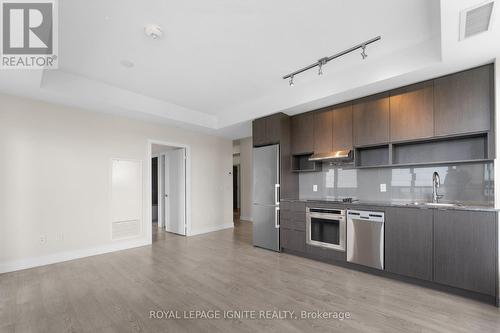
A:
(476, 19)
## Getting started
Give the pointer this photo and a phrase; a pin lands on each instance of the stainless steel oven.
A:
(326, 227)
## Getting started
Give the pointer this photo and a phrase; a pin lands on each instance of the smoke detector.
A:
(153, 31)
(476, 19)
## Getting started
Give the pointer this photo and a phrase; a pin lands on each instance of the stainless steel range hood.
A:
(334, 156)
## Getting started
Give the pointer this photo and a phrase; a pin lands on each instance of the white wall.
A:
(246, 174)
(55, 179)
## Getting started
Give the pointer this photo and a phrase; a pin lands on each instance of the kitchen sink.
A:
(435, 204)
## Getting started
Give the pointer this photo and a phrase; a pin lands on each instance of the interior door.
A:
(175, 191)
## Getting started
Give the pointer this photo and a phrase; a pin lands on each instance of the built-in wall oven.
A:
(326, 227)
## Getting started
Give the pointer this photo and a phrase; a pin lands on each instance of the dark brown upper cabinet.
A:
(323, 131)
(342, 128)
(259, 132)
(463, 102)
(267, 130)
(412, 112)
(303, 134)
(371, 120)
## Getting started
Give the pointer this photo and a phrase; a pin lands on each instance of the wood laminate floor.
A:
(222, 271)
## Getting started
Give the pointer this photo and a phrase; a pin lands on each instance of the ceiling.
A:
(219, 63)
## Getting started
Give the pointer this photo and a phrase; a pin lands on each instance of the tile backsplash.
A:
(468, 183)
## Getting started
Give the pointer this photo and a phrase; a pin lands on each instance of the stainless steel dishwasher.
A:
(365, 238)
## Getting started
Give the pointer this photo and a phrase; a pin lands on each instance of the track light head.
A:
(363, 53)
(291, 81)
(321, 62)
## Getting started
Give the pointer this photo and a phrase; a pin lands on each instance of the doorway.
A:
(236, 193)
(169, 189)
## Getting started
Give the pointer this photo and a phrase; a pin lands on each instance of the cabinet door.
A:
(323, 131)
(465, 247)
(371, 120)
(273, 129)
(342, 128)
(293, 240)
(303, 133)
(412, 112)
(408, 242)
(463, 101)
(259, 132)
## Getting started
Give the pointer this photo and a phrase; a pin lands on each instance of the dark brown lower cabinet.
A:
(465, 247)
(408, 242)
(294, 240)
(293, 226)
(325, 254)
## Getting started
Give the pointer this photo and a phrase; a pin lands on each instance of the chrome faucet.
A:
(435, 185)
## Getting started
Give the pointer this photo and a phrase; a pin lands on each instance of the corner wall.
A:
(55, 180)
(496, 163)
(246, 173)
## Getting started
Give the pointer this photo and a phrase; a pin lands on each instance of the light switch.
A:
(383, 188)
(315, 188)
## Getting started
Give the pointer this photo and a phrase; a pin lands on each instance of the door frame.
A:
(149, 201)
(158, 175)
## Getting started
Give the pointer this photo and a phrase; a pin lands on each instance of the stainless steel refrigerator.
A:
(266, 200)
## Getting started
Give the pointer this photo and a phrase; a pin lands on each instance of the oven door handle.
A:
(327, 216)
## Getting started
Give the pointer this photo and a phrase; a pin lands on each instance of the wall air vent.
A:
(476, 19)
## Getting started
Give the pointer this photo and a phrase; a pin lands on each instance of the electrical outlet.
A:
(60, 236)
(315, 188)
(43, 239)
(383, 188)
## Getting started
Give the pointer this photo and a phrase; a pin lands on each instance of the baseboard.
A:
(246, 218)
(17, 265)
(211, 229)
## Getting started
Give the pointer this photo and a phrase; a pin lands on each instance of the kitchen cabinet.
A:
(325, 254)
(408, 242)
(293, 225)
(303, 133)
(323, 132)
(273, 128)
(293, 240)
(371, 120)
(267, 130)
(293, 215)
(342, 128)
(465, 248)
(463, 101)
(259, 136)
(412, 112)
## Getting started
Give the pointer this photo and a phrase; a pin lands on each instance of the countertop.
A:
(403, 204)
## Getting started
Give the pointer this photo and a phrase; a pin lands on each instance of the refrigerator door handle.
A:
(276, 195)
(276, 218)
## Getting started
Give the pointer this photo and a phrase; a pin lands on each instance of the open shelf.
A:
(301, 163)
(374, 156)
(454, 150)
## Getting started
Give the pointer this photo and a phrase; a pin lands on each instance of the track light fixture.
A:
(323, 61)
